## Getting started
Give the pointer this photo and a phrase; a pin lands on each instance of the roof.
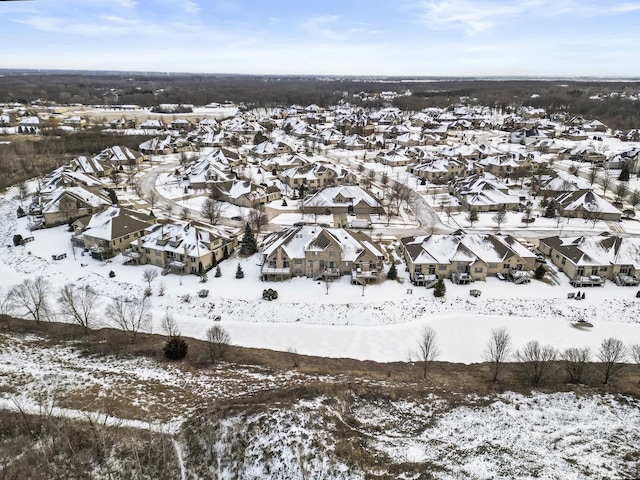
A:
(341, 196)
(460, 246)
(116, 222)
(296, 241)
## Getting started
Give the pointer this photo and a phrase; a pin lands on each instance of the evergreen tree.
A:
(392, 274)
(239, 272)
(550, 211)
(439, 289)
(624, 173)
(175, 348)
(248, 246)
(540, 272)
(473, 216)
(218, 272)
(21, 212)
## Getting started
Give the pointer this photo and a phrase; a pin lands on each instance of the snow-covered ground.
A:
(381, 322)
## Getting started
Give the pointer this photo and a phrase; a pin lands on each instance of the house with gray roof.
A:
(111, 231)
(466, 258)
(321, 253)
(589, 260)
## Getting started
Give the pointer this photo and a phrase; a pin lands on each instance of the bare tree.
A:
(212, 210)
(498, 350)
(168, 208)
(132, 316)
(612, 354)
(621, 191)
(384, 179)
(4, 302)
(169, 325)
(575, 361)
(152, 198)
(258, 218)
(605, 181)
(184, 213)
(500, 216)
(162, 288)
(79, 304)
(536, 360)
(634, 198)
(428, 349)
(634, 351)
(593, 174)
(149, 275)
(31, 299)
(218, 339)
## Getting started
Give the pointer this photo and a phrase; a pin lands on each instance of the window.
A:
(580, 271)
(298, 261)
(478, 270)
(506, 265)
(493, 265)
(442, 267)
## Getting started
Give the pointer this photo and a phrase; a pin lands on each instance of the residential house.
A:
(588, 205)
(71, 203)
(343, 200)
(152, 124)
(312, 176)
(111, 231)
(589, 260)
(76, 122)
(321, 253)
(466, 258)
(182, 248)
(485, 193)
(246, 194)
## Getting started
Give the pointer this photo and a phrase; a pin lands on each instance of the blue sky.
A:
(348, 37)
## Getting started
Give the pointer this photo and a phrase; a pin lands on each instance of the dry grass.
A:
(444, 378)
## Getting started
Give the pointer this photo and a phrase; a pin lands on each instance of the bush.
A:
(112, 274)
(269, 294)
(175, 348)
(239, 272)
(148, 292)
(392, 274)
(17, 239)
(21, 212)
(218, 272)
(439, 289)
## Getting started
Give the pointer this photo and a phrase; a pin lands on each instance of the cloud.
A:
(474, 17)
(320, 26)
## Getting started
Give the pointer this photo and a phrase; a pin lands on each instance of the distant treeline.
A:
(149, 90)
(28, 157)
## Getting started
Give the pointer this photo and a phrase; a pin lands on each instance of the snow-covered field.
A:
(381, 322)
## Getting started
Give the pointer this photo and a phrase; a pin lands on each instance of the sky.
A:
(328, 37)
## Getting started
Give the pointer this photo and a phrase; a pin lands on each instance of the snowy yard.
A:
(381, 322)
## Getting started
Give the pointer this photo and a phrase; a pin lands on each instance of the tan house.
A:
(343, 200)
(466, 258)
(321, 253)
(72, 203)
(181, 248)
(111, 231)
(588, 261)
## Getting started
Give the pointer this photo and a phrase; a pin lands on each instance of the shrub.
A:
(392, 274)
(175, 348)
(17, 239)
(112, 274)
(218, 272)
(148, 292)
(21, 212)
(439, 289)
(239, 272)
